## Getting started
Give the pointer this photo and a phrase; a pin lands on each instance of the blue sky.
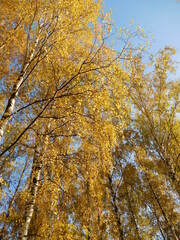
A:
(160, 17)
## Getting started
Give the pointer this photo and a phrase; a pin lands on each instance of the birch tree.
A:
(89, 135)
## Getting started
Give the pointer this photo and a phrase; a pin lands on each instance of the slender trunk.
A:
(34, 185)
(159, 225)
(11, 102)
(118, 221)
(162, 210)
(157, 219)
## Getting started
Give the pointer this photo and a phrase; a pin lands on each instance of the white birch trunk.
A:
(11, 102)
(34, 184)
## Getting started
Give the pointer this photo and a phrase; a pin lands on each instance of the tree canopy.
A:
(89, 132)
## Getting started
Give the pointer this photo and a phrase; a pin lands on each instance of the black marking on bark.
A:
(34, 180)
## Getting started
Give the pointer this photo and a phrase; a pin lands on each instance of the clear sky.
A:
(160, 17)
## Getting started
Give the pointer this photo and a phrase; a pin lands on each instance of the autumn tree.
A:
(56, 84)
(89, 138)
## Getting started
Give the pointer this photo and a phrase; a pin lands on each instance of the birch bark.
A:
(12, 100)
(34, 185)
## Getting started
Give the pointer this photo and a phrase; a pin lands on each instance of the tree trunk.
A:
(162, 210)
(118, 221)
(11, 102)
(34, 185)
